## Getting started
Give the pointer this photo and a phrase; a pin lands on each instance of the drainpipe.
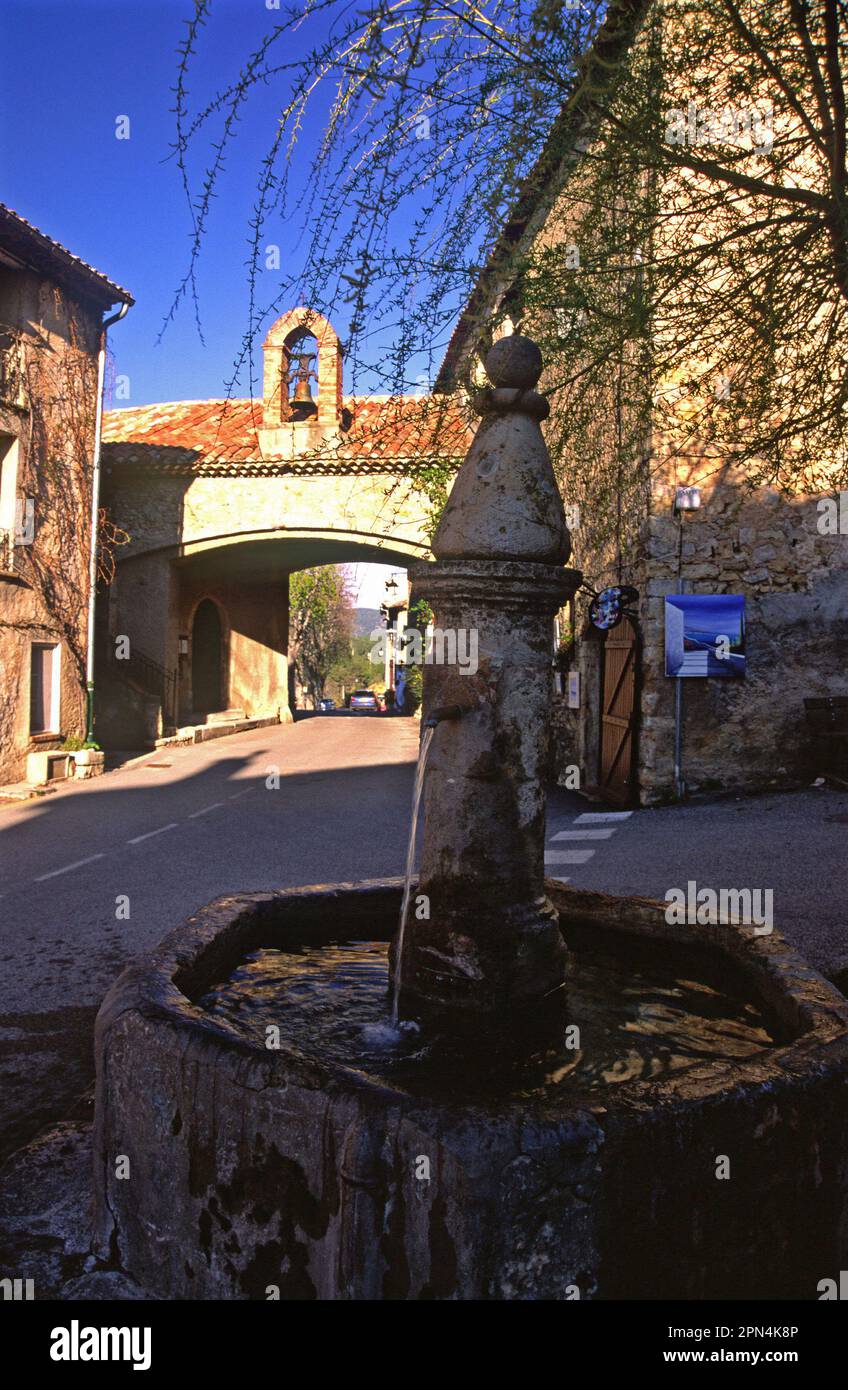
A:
(95, 512)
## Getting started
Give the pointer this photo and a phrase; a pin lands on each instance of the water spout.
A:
(445, 712)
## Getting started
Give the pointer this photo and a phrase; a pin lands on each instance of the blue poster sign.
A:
(705, 635)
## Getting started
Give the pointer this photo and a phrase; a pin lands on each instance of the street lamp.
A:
(687, 499)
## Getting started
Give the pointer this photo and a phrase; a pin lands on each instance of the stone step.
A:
(201, 733)
(225, 716)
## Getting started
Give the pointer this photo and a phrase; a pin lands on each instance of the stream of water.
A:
(423, 751)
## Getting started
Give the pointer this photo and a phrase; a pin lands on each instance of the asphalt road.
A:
(169, 834)
(185, 825)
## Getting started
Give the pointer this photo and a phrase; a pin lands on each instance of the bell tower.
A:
(302, 393)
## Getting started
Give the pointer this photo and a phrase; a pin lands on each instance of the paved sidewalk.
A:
(795, 843)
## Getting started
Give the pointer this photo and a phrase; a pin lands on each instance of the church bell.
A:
(302, 373)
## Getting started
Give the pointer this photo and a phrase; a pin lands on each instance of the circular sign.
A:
(607, 608)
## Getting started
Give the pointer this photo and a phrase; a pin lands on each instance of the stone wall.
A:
(575, 733)
(161, 510)
(47, 425)
(750, 732)
(255, 622)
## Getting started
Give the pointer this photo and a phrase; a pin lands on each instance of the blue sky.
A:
(69, 71)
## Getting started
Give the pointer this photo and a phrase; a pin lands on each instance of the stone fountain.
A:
(490, 954)
(550, 1107)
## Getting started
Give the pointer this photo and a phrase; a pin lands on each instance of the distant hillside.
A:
(365, 620)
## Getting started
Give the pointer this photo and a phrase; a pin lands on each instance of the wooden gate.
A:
(617, 764)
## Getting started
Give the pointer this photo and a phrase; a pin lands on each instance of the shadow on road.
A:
(61, 945)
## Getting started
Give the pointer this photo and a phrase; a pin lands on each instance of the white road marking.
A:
(213, 807)
(137, 839)
(568, 856)
(78, 863)
(589, 817)
(235, 796)
(583, 835)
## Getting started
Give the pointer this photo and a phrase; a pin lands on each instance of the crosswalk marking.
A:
(583, 834)
(591, 825)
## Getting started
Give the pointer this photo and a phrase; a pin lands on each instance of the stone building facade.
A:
(735, 734)
(223, 499)
(51, 310)
(773, 546)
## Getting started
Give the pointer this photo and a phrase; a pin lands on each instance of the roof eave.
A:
(36, 251)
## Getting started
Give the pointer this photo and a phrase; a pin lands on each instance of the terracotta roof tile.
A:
(383, 434)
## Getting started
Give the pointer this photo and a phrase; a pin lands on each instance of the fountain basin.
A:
(228, 1169)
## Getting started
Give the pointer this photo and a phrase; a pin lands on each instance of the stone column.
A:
(491, 947)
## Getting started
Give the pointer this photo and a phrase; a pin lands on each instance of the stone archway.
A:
(207, 659)
(224, 498)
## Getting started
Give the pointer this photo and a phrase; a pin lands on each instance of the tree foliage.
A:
(711, 286)
(710, 224)
(353, 668)
(320, 624)
(417, 120)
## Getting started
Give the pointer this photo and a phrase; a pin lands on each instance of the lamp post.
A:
(686, 499)
(392, 589)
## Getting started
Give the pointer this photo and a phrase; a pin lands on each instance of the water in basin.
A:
(636, 1020)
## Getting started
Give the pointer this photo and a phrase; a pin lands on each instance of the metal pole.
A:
(678, 735)
(678, 681)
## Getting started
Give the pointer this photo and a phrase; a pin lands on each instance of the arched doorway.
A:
(206, 659)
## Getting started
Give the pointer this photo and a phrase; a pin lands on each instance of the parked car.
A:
(365, 700)
(326, 705)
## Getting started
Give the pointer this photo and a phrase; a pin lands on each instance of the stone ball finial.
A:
(514, 362)
(505, 503)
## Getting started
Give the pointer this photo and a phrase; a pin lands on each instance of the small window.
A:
(44, 689)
